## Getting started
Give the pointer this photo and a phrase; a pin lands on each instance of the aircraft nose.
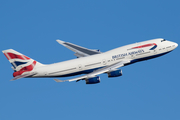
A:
(176, 45)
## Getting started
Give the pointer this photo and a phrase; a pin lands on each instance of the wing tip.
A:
(60, 41)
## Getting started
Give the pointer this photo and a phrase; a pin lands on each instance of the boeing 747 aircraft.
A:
(89, 62)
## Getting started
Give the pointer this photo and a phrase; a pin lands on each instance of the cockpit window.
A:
(163, 40)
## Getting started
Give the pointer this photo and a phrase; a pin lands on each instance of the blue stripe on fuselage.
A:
(155, 46)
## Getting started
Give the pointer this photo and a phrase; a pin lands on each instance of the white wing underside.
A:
(79, 51)
(97, 72)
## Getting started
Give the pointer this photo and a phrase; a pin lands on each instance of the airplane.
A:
(89, 61)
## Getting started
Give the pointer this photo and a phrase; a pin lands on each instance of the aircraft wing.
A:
(98, 71)
(23, 76)
(79, 51)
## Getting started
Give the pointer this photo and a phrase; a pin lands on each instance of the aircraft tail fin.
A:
(20, 63)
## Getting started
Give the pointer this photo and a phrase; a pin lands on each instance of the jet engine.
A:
(115, 73)
(93, 80)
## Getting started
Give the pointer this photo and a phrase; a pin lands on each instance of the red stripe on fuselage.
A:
(25, 69)
(146, 45)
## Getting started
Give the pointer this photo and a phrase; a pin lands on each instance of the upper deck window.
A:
(163, 40)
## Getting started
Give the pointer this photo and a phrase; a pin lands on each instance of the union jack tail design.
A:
(20, 63)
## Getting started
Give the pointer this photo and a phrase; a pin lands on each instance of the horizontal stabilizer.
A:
(23, 76)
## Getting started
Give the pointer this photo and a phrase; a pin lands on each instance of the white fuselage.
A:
(88, 64)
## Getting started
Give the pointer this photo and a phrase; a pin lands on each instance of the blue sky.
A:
(147, 90)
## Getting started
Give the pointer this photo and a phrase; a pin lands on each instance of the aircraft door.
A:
(132, 56)
(80, 67)
(155, 51)
(104, 62)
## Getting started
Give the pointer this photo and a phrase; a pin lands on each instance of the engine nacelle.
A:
(93, 80)
(115, 73)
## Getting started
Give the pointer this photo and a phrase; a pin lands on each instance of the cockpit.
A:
(163, 40)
